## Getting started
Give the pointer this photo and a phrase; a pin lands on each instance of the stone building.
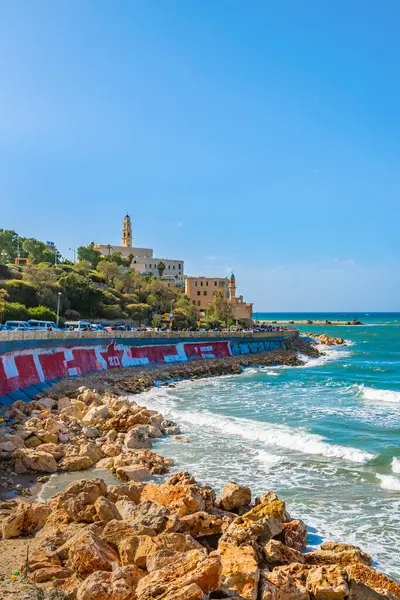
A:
(201, 290)
(143, 260)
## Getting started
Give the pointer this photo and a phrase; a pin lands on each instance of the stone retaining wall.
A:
(28, 366)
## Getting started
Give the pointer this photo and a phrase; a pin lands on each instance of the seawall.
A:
(30, 362)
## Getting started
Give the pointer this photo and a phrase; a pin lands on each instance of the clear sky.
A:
(261, 137)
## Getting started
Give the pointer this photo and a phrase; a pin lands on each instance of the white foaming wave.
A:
(388, 482)
(278, 436)
(329, 355)
(379, 395)
(267, 460)
(396, 465)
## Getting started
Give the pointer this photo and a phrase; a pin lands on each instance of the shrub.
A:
(15, 311)
(20, 291)
(112, 311)
(5, 272)
(42, 313)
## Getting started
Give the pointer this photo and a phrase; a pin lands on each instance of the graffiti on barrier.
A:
(31, 367)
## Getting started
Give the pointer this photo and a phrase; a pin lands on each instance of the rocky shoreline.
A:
(151, 537)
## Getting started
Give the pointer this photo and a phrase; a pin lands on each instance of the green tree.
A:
(40, 275)
(15, 311)
(9, 243)
(83, 296)
(21, 291)
(90, 254)
(161, 268)
(3, 300)
(38, 253)
(83, 267)
(138, 312)
(156, 320)
(109, 270)
(42, 313)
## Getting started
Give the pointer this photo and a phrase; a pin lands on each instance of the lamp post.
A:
(58, 307)
(171, 315)
(74, 251)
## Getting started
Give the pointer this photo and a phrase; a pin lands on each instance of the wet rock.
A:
(195, 567)
(89, 554)
(170, 428)
(277, 554)
(118, 585)
(240, 572)
(295, 534)
(327, 583)
(234, 496)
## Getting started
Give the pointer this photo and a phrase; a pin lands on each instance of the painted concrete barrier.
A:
(26, 370)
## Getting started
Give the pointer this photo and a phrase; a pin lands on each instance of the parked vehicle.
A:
(18, 326)
(78, 325)
(43, 325)
(4, 328)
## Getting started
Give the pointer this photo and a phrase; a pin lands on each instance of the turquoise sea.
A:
(325, 436)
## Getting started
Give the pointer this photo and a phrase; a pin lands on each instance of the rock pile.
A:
(327, 340)
(76, 433)
(177, 541)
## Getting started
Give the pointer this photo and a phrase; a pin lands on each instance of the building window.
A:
(169, 266)
(222, 284)
(198, 302)
(194, 302)
(207, 283)
(205, 293)
(201, 283)
(215, 283)
(198, 293)
(179, 267)
(195, 283)
(173, 267)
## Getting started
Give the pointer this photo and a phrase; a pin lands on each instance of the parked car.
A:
(78, 325)
(18, 326)
(4, 328)
(43, 325)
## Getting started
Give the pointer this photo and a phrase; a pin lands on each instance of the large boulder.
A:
(95, 415)
(78, 499)
(137, 440)
(201, 524)
(367, 584)
(277, 554)
(148, 514)
(333, 553)
(136, 549)
(181, 499)
(75, 463)
(25, 519)
(284, 583)
(194, 567)
(89, 554)
(105, 510)
(240, 572)
(234, 496)
(327, 583)
(132, 473)
(26, 460)
(295, 534)
(118, 585)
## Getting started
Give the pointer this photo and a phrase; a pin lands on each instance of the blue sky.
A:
(260, 137)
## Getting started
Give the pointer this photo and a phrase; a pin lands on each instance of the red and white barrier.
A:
(23, 368)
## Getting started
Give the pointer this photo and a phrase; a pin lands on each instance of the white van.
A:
(43, 325)
(78, 325)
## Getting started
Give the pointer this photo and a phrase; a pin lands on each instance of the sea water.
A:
(324, 436)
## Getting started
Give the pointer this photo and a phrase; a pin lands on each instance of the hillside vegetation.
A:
(94, 288)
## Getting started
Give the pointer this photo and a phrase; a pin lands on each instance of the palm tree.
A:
(161, 268)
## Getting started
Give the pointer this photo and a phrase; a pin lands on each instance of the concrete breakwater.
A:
(30, 363)
(173, 539)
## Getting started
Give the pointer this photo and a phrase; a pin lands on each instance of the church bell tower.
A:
(127, 232)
